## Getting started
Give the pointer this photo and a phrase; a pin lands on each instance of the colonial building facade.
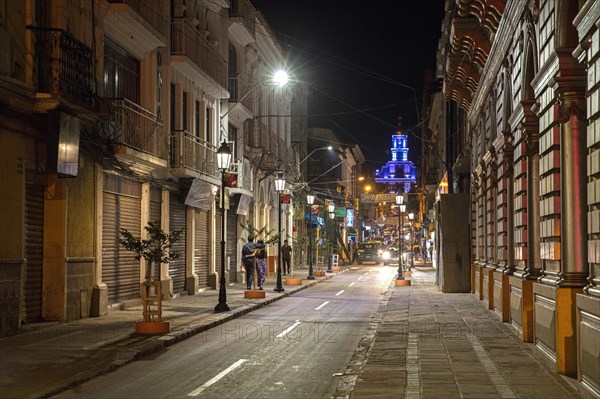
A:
(111, 115)
(516, 125)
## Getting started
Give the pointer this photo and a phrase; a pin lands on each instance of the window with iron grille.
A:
(121, 73)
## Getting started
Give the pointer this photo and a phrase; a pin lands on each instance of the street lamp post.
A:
(399, 200)
(223, 160)
(411, 216)
(310, 200)
(279, 186)
(331, 209)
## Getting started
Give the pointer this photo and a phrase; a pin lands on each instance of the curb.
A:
(158, 343)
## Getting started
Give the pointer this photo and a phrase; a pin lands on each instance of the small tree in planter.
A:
(155, 250)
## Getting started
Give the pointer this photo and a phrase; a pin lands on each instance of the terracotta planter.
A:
(319, 273)
(293, 281)
(254, 294)
(406, 274)
(152, 327)
(401, 283)
(336, 268)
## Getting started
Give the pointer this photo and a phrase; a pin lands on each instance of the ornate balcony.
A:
(139, 25)
(193, 156)
(138, 129)
(64, 68)
(152, 11)
(243, 17)
(195, 56)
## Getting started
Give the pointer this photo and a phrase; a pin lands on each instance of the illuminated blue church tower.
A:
(399, 173)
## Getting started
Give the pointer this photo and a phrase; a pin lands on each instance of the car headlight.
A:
(386, 255)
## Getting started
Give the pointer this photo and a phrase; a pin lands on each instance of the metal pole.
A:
(279, 287)
(400, 248)
(222, 305)
(330, 246)
(311, 275)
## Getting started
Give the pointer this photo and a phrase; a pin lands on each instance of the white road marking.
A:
(287, 330)
(339, 293)
(360, 278)
(216, 378)
(413, 378)
(321, 305)
(366, 273)
(351, 284)
(488, 364)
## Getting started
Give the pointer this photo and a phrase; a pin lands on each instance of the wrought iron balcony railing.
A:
(242, 91)
(153, 12)
(187, 41)
(194, 153)
(63, 65)
(138, 128)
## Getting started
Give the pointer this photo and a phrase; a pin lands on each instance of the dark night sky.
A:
(363, 55)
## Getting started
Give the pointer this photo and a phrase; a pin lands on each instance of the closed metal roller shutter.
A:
(177, 222)
(155, 216)
(121, 207)
(34, 242)
(231, 249)
(201, 245)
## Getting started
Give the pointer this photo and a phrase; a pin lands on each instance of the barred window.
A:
(121, 73)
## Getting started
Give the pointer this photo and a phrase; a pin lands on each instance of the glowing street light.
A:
(399, 201)
(223, 160)
(331, 209)
(279, 187)
(310, 200)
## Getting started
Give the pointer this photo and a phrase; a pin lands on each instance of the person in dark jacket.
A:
(261, 263)
(286, 257)
(248, 259)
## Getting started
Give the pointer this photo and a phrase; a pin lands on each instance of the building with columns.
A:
(515, 124)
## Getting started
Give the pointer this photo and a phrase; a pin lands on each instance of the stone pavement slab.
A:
(434, 345)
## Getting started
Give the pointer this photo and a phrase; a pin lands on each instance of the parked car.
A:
(368, 251)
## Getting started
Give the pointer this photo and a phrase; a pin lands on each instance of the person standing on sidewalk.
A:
(261, 262)
(286, 257)
(248, 259)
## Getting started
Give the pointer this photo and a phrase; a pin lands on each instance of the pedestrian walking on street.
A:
(261, 262)
(286, 257)
(249, 260)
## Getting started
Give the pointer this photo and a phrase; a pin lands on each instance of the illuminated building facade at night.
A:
(399, 173)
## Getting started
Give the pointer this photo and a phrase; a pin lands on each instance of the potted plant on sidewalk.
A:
(155, 249)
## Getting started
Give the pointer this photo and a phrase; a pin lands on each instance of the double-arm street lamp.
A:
(310, 200)
(399, 201)
(279, 187)
(223, 160)
(331, 209)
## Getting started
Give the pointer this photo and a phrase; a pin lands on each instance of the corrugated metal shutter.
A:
(177, 210)
(155, 216)
(121, 207)
(217, 248)
(34, 242)
(201, 252)
(232, 244)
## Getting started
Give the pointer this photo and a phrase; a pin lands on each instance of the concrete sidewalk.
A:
(423, 343)
(47, 358)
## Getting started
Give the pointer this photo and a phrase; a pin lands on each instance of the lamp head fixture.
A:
(223, 156)
(310, 199)
(399, 198)
(279, 182)
(281, 77)
(402, 208)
